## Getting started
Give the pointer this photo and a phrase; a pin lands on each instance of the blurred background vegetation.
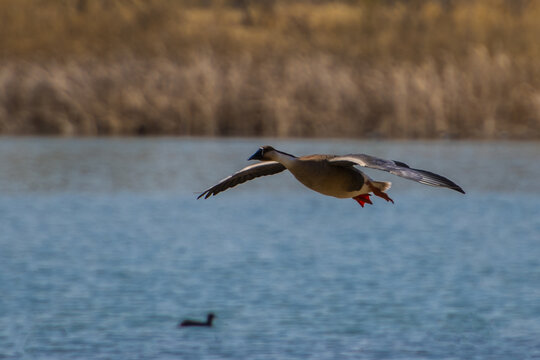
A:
(296, 68)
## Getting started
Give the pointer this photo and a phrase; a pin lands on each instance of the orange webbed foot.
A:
(363, 199)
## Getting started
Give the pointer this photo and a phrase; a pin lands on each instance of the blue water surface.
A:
(104, 249)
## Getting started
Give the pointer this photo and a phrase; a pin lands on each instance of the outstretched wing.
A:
(249, 172)
(397, 168)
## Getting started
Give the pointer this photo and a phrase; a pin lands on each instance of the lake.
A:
(104, 249)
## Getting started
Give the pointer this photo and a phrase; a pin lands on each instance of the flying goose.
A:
(331, 175)
(208, 322)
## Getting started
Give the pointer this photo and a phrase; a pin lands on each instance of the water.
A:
(103, 249)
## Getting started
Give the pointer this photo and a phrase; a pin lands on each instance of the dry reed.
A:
(421, 69)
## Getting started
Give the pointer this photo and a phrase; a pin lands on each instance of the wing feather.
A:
(248, 173)
(397, 168)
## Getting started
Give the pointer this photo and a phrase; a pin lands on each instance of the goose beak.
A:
(257, 155)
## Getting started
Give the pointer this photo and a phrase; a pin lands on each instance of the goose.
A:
(331, 175)
(210, 317)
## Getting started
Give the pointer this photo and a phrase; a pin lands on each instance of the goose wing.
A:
(397, 168)
(249, 172)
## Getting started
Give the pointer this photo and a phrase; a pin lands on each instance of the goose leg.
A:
(381, 194)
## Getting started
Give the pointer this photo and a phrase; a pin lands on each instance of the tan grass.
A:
(411, 69)
(485, 97)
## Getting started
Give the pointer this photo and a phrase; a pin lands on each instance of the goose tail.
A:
(381, 185)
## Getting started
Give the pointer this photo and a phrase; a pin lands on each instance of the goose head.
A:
(264, 153)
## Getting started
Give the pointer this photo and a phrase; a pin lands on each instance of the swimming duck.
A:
(210, 317)
(331, 175)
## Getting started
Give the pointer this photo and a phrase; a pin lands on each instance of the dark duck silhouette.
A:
(210, 317)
